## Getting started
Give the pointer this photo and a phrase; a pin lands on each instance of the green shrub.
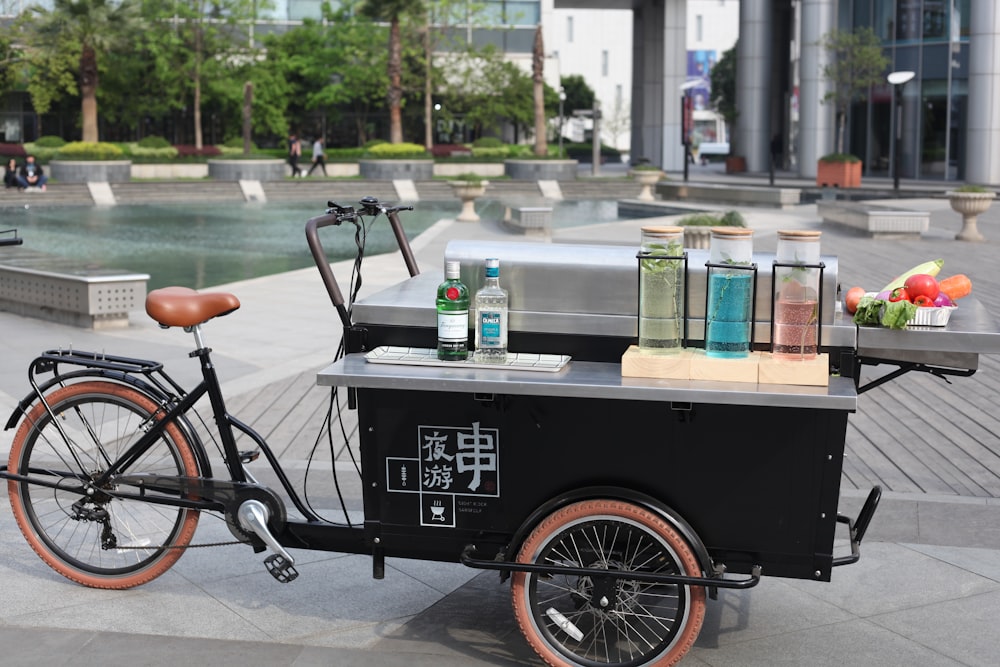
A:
(88, 150)
(374, 142)
(344, 154)
(49, 141)
(403, 151)
(469, 177)
(727, 219)
(487, 142)
(840, 157)
(41, 153)
(167, 152)
(500, 151)
(153, 142)
(971, 187)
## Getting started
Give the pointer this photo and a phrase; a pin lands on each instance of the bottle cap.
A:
(492, 263)
(452, 269)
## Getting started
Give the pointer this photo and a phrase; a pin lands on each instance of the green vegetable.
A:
(869, 311)
(898, 313)
(891, 314)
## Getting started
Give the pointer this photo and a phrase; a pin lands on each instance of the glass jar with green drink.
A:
(661, 290)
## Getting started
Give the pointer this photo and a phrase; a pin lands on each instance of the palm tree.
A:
(538, 78)
(87, 27)
(392, 11)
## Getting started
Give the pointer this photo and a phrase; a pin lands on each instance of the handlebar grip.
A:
(319, 257)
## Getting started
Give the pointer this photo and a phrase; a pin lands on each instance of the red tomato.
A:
(921, 284)
(923, 301)
(899, 294)
(852, 298)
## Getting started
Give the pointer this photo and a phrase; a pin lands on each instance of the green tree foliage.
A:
(333, 66)
(578, 94)
(856, 64)
(65, 43)
(723, 79)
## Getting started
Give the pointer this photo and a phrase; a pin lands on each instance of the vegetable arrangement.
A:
(897, 303)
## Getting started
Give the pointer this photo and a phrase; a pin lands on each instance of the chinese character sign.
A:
(459, 460)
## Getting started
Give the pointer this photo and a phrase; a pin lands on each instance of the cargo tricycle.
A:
(615, 506)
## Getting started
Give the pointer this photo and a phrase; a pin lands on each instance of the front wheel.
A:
(91, 535)
(583, 620)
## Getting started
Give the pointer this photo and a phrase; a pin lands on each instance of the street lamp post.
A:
(897, 80)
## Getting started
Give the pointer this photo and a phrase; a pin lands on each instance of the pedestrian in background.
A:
(294, 152)
(318, 156)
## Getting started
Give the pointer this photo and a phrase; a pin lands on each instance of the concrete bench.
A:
(730, 193)
(529, 220)
(89, 298)
(876, 220)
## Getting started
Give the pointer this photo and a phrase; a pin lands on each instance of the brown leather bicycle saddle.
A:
(184, 307)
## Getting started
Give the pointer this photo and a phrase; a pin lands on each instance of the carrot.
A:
(956, 286)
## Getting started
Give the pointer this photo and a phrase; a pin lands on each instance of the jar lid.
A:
(662, 231)
(732, 232)
(799, 234)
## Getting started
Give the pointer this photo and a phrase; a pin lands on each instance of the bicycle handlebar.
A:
(336, 215)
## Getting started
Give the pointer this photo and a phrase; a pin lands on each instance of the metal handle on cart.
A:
(858, 527)
(337, 215)
(13, 240)
(645, 577)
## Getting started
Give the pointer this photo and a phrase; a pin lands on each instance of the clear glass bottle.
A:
(796, 295)
(453, 315)
(730, 293)
(661, 290)
(491, 317)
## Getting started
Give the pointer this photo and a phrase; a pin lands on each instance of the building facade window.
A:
(698, 27)
(604, 63)
(569, 29)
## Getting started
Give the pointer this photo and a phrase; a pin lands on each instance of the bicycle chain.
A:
(187, 546)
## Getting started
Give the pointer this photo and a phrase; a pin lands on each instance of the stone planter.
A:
(736, 164)
(970, 205)
(468, 192)
(838, 174)
(647, 178)
(90, 171)
(697, 236)
(246, 170)
(541, 170)
(394, 170)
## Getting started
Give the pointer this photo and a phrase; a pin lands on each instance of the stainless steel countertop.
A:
(584, 379)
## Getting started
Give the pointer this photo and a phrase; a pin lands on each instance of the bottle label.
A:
(453, 325)
(489, 329)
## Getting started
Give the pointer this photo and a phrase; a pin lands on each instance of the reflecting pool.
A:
(211, 244)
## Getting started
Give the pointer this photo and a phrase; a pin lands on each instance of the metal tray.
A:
(421, 356)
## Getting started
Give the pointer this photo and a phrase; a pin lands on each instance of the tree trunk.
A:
(198, 53)
(247, 115)
(88, 93)
(538, 75)
(428, 88)
(841, 128)
(395, 96)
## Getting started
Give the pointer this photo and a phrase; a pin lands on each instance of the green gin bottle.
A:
(453, 316)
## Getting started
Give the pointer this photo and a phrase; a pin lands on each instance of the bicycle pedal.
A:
(249, 456)
(280, 568)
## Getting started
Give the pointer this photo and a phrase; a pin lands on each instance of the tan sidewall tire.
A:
(184, 535)
(589, 509)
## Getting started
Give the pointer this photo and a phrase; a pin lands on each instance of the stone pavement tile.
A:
(891, 577)
(964, 630)
(984, 562)
(857, 642)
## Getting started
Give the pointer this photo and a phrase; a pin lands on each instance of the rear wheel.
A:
(584, 620)
(97, 538)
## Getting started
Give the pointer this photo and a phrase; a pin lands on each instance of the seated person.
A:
(10, 175)
(31, 175)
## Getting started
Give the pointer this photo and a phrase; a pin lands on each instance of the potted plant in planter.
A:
(647, 175)
(856, 64)
(970, 201)
(841, 170)
(468, 187)
(698, 226)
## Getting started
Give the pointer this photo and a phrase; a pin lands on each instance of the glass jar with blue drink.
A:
(729, 306)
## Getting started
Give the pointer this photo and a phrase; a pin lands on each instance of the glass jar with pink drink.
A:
(797, 276)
